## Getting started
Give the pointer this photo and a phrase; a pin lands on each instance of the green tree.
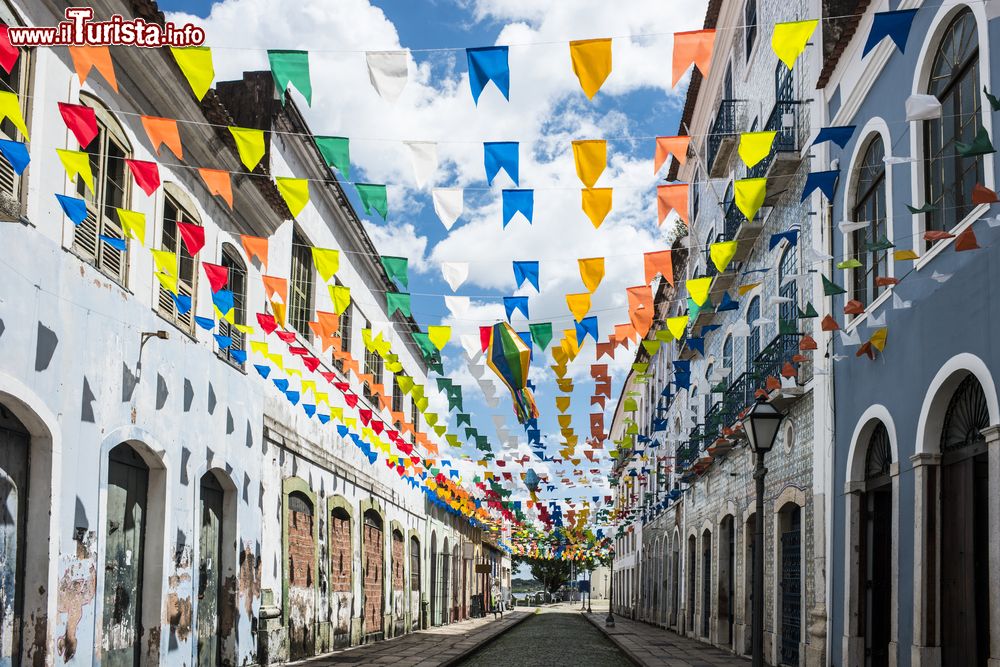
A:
(552, 574)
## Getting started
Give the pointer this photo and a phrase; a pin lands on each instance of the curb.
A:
(621, 647)
(458, 657)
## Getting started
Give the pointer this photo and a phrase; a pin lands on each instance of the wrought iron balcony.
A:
(777, 353)
(723, 137)
(783, 158)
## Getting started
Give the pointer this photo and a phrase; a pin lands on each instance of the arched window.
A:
(878, 458)
(966, 416)
(954, 80)
(787, 287)
(108, 152)
(753, 340)
(870, 244)
(727, 358)
(178, 211)
(237, 284)
(300, 296)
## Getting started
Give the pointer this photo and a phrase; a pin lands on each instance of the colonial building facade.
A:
(164, 503)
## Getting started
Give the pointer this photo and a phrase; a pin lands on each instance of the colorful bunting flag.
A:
(517, 201)
(398, 301)
(396, 268)
(81, 121)
(86, 58)
(249, 144)
(591, 60)
(750, 193)
(423, 157)
(698, 288)
(541, 333)
(591, 158)
(488, 63)
(291, 67)
(448, 204)
(499, 155)
(526, 271)
(255, 246)
(163, 132)
(659, 262)
(74, 208)
(676, 146)
(387, 70)
(895, 25)
(373, 196)
(454, 273)
(755, 146)
(692, 47)
(133, 224)
(789, 39)
(196, 65)
(672, 197)
(591, 272)
(722, 253)
(295, 192)
(327, 261)
(596, 204)
(218, 182)
(77, 163)
(579, 304)
(341, 297)
(146, 175)
(10, 109)
(16, 152)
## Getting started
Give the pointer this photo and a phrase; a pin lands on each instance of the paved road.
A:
(558, 636)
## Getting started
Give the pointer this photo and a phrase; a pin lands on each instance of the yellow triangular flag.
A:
(562, 402)
(341, 297)
(295, 192)
(743, 289)
(755, 146)
(722, 253)
(596, 204)
(579, 305)
(250, 144)
(77, 163)
(196, 64)
(278, 310)
(789, 39)
(697, 289)
(276, 359)
(878, 338)
(308, 385)
(592, 272)
(165, 261)
(168, 281)
(664, 336)
(750, 194)
(439, 336)
(591, 156)
(258, 346)
(905, 255)
(10, 108)
(677, 325)
(244, 328)
(327, 261)
(569, 338)
(591, 63)
(133, 223)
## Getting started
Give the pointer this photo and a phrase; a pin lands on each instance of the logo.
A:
(79, 30)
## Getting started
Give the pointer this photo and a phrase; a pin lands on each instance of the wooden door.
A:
(706, 583)
(878, 567)
(731, 580)
(128, 477)
(209, 572)
(374, 586)
(14, 448)
(791, 588)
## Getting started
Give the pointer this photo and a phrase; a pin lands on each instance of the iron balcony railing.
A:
(778, 352)
(724, 125)
(787, 137)
(734, 218)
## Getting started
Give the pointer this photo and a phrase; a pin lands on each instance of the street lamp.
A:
(761, 426)
(610, 620)
(590, 591)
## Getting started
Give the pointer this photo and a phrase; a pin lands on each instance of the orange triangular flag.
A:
(983, 195)
(658, 262)
(219, 183)
(164, 131)
(673, 197)
(86, 58)
(829, 324)
(255, 246)
(678, 146)
(692, 47)
(275, 286)
(640, 308)
(966, 241)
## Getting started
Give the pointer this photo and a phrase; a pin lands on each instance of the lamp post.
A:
(590, 591)
(761, 426)
(610, 620)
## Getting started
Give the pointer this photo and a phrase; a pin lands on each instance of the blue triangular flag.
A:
(293, 397)
(206, 323)
(792, 236)
(183, 303)
(310, 409)
(223, 341)
(240, 356)
(341, 430)
(526, 271)
(223, 300)
(586, 326)
(709, 328)
(281, 384)
(263, 370)
(488, 63)
(16, 153)
(323, 419)
(517, 201)
(697, 344)
(512, 303)
(499, 155)
(74, 208)
(683, 366)
(894, 25)
(117, 244)
(825, 181)
(838, 135)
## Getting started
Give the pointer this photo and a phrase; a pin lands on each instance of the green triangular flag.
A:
(787, 327)
(291, 67)
(980, 145)
(849, 264)
(926, 208)
(994, 102)
(398, 301)
(462, 418)
(810, 312)
(373, 197)
(640, 367)
(881, 244)
(444, 384)
(541, 334)
(630, 405)
(336, 151)
(831, 288)
(454, 402)
(396, 268)
(694, 309)
(423, 341)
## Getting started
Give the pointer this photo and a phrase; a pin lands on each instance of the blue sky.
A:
(546, 112)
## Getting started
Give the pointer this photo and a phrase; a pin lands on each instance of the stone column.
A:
(854, 641)
(894, 570)
(926, 651)
(992, 435)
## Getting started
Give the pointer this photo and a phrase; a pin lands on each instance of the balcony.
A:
(724, 137)
(785, 157)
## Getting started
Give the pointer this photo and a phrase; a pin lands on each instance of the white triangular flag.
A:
(922, 107)
(761, 321)
(741, 329)
(940, 277)
(455, 273)
(424, 156)
(498, 420)
(846, 226)
(875, 322)
(492, 402)
(891, 161)
(993, 221)
(388, 71)
(850, 338)
(780, 299)
(839, 357)
(458, 306)
(811, 256)
(476, 370)
(898, 303)
(448, 204)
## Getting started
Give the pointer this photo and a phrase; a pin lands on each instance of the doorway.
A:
(210, 600)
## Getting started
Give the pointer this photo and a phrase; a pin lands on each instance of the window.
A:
(373, 367)
(16, 82)
(344, 331)
(397, 396)
(753, 340)
(727, 358)
(300, 299)
(108, 152)
(695, 196)
(186, 265)
(954, 80)
(750, 25)
(238, 286)
(787, 286)
(414, 415)
(870, 208)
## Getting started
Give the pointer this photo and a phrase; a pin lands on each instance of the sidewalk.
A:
(434, 647)
(650, 646)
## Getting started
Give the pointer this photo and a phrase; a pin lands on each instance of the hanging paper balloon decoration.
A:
(509, 357)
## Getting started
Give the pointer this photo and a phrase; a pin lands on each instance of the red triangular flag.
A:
(217, 276)
(484, 336)
(193, 235)
(351, 399)
(267, 322)
(8, 52)
(146, 174)
(81, 121)
(983, 195)
(966, 241)
(312, 363)
(287, 336)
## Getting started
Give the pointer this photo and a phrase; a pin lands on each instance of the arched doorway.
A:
(965, 529)
(373, 589)
(398, 583)
(875, 550)
(749, 562)
(456, 568)
(444, 570)
(434, 588)
(692, 546)
(415, 621)
(706, 583)
(211, 536)
(675, 582)
(727, 579)
(341, 575)
(15, 444)
(790, 583)
(301, 572)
